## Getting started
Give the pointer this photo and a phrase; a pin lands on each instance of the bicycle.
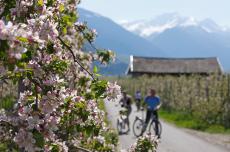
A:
(139, 124)
(122, 122)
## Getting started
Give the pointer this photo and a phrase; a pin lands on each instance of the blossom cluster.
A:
(147, 142)
(113, 90)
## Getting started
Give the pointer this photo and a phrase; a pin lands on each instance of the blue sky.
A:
(118, 10)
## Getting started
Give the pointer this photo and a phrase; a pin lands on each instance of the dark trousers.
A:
(138, 104)
(128, 113)
(149, 115)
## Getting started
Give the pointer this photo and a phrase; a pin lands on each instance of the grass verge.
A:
(185, 120)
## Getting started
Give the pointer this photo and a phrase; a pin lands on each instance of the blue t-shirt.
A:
(152, 102)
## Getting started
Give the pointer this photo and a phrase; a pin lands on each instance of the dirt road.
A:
(173, 139)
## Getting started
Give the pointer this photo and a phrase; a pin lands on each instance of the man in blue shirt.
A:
(152, 101)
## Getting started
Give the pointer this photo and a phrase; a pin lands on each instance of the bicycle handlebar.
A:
(158, 107)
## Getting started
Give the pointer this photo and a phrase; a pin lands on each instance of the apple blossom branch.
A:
(75, 58)
(88, 40)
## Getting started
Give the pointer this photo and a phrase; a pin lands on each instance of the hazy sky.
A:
(218, 10)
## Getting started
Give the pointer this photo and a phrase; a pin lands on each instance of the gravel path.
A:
(173, 139)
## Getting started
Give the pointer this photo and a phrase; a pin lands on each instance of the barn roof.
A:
(174, 65)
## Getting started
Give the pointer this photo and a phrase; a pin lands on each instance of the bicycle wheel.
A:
(138, 127)
(152, 128)
(160, 128)
(119, 126)
(122, 126)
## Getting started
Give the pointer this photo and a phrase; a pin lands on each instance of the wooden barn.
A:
(173, 66)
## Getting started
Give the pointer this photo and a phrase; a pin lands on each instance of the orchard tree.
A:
(58, 92)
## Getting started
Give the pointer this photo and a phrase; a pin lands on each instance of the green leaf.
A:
(8, 5)
(40, 142)
(26, 57)
(95, 69)
(40, 3)
(21, 64)
(83, 80)
(61, 8)
(64, 30)
(55, 148)
(50, 48)
(3, 47)
(99, 87)
(57, 66)
(97, 75)
(50, 2)
(22, 39)
(11, 67)
(105, 55)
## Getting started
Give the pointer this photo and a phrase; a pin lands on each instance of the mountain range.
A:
(159, 24)
(168, 35)
(117, 38)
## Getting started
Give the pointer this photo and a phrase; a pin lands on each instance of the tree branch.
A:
(83, 149)
(36, 82)
(3, 79)
(75, 58)
(87, 38)
(90, 42)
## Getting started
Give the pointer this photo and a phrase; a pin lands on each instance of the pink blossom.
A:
(113, 91)
(25, 139)
(52, 122)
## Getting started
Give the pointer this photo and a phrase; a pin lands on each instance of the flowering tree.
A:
(40, 51)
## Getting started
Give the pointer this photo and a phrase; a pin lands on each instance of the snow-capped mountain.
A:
(168, 35)
(168, 21)
(180, 36)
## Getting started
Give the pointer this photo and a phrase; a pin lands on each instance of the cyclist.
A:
(153, 102)
(138, 99)
(126, 103)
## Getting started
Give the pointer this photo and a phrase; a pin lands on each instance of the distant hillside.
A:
(193, 42)
(168, 35)
(115, 37)
(124, 43)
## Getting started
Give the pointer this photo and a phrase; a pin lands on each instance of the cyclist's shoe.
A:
(128, 130)
(158, 136)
